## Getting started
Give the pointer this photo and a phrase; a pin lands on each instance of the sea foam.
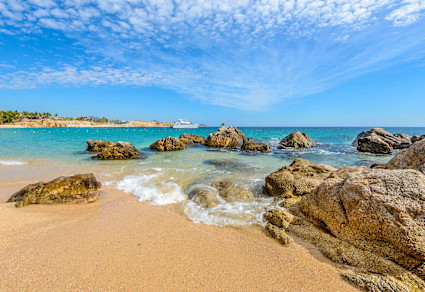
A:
(149, 188)
(12, 162)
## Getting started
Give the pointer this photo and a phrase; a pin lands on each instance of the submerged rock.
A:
(230, 164)
(78, 189)
(99, 145)
(230, 137)
(190, 139)
(232, 191)
(381, 211)
(168, 144)
(411, 158)
(296, 140)
(205, 196)
(255, 147)
(379, 141)
(120, 151)
(298, 179)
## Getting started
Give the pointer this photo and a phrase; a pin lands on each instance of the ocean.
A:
(165, 178)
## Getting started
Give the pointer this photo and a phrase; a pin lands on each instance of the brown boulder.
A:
(232, 191)
(120, 151)
(411, 158)
(417, 138)
(99, 145)
(206, 196)
(381, 211)
(298, 179)
(373, 144)
(190, 139)
(79, 189)
(256, 147)
(379, 141)
(168, 144)
(230, 137)
(296, 140)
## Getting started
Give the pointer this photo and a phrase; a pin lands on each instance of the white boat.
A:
(184, 124)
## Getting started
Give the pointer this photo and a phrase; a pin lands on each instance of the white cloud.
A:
(240, 53)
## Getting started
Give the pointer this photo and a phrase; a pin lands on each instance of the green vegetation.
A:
(15, 116)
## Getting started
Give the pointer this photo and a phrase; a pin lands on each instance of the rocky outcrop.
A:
(298, 179)
(255, 147)
(230, 137)
(78, 189)
(296, 140)
(190, 139)
(417, 138)
(120, 151)
(379, 141)
(411, 158)
(377, 210)
(99, 145)
(168, 144)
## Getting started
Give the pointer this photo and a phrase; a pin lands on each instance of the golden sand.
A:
(118, 243)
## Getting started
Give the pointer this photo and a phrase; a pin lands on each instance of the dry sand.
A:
(118, 243)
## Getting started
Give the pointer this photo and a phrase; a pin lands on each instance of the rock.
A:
(120, 151)
(373, 144)
(298, 179)
(417, 138)
(78, 189)
(229, 164)
(230, 137)
(296, 140)
(190, 139)
(168, 144)
(278, 233)
(379, 141)
(99, 145)
(279, 217)
(256, 147)
(232, 191)
(206, 196)
(411, 158)
(377, 210)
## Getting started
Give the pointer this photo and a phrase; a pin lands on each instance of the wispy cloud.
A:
(240, 53)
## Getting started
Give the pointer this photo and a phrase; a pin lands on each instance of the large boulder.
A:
(298, 179)
(411, 158)
(168, 144)
(380, 141)
(377, 210)
(99, 145)
(255, 147)
(230, 137)
(296, 140)
(79, 189)
(190, 139)
(120, 151)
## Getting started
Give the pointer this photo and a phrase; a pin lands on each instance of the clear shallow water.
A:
(163, 178)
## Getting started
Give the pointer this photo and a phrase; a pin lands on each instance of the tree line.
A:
(15, 116)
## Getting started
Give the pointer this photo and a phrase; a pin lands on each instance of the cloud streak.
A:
(240, 53)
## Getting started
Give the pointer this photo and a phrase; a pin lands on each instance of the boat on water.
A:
(184, 124)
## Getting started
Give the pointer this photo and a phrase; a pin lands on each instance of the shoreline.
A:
(119, 243)
(53, 123)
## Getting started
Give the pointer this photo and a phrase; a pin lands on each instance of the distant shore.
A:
(59, 123)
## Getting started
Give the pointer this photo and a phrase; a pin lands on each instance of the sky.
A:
(243, 62)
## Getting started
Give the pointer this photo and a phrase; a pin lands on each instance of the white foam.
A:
(233, 214)
(12, 162)
(149, 188)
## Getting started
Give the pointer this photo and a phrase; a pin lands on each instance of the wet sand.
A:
(118, 243)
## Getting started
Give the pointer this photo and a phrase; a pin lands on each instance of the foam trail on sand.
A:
(12, 162)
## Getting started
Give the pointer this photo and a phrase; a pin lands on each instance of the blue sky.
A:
(245, 62)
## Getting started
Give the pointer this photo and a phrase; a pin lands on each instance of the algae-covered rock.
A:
(168, 144)
(298, 179)
(190, 139)
(79, 189)
(296, 140)
(120, 151)
(255, 147)
(230, 137)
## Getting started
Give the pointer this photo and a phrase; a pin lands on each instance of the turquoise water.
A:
(28, 155)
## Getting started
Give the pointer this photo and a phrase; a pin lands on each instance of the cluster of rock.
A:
(229, 137)
(107, 150)
(214, 193)
(168, 144)
(373, 219)
(190, 139)
(379, 141)
(296, 140)
(76, 189)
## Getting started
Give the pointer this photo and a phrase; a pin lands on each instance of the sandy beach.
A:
(118, 243)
